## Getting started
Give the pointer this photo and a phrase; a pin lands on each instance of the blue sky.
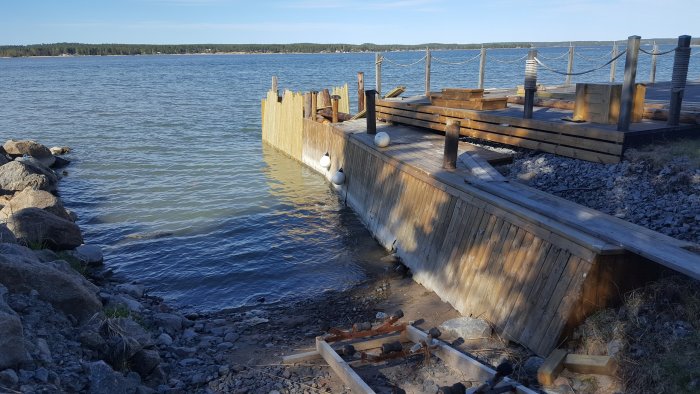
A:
(335, 21)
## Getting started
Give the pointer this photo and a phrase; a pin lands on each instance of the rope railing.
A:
(582, 72)
(593, 58)
(509, 61)
(556, 57)
(437, 59)
(404, 65)
(657, 53)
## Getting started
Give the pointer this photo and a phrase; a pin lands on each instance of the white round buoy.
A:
(382, 139)
(338, 177)
(325, 161)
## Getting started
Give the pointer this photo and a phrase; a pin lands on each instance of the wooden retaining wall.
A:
(282, 122)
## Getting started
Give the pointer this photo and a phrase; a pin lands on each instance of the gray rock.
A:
(131, 329)
(46, 255)
(188, 362)
(6, 235)
(189, 334)
(184, 351)
(104, 380)
(88, 254)
(16, 176)
(231, 337)
(30, 198)
(170, 323)
(532, 365)
(42, 375)
(92, 340)
(132, 289)
(164, 339)
(18, 251)
(119, 301)
(8, 378)
(3, 158)
(43, 351)
(34, 226)
(467, 328)
(224, 346)
(17, 148)
(12, 338)
(25, 376)
(59, 150)
(145, 361)
(66, 292)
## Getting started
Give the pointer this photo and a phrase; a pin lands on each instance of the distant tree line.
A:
(76, 49)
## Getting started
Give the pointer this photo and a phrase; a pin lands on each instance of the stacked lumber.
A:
(467, 99)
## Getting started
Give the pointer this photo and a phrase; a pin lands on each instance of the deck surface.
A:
(420, 149)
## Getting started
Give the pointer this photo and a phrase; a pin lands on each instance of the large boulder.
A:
(39, 166)
(36, 227)
(16, 148)
(104, 380)
(30, 198)
(18, 175)
(6, 236)
(12, 350)
(65, 290)
(3, 159)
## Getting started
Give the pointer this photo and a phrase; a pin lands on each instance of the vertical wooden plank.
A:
(468, 222)
(512, 260)
(477, 247)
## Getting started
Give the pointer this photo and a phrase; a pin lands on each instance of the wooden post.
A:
(482, 67)
(274, 85)
(371, 112)
(427, 72)
(334, 107)
(360, 91)
(378, 72)
(614, 62)
(314, 104)
(627, 99)
(678, 79)
(307, 105)
(449, 158)
(652, 76)
(530, 83)
(570, 65)
(325, 99)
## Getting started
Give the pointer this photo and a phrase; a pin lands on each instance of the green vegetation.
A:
(120, 311)
(73, 49)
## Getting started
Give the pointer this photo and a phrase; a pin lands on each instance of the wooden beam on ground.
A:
(583, 363)
(461, 361)
(552, 367)
(341, 368)
(358, 345)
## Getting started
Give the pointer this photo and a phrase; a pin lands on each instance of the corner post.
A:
(449, 158)
(482, 67)
(627, 98)
(678, 79)
(371, 111)
(570, 65)
(334, 107)
(530, 84)
(360, 91)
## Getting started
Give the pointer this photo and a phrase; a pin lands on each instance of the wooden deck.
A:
(533, 264)
(547, 130)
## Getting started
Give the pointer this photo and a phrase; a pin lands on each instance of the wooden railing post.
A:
(427, 72)
(371, 111)
(530, 84)
(570, 65)
(678, 79)
(652, 72)
(627, 99)
(307, 105)
(360, 91)
(614, 62)
(449, 158)
(334, 107)
(482, 67)
(378, 72)
(314, 104)
(274, 85)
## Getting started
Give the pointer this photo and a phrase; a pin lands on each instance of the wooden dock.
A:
(533, 264)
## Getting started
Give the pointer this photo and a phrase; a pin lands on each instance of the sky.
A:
(336, 21)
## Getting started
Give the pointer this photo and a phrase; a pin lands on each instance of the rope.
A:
(404, 65)
(437, 59)
(555, 58)
(657, 53)
(579, 73)
(510, 61)
(593, 58)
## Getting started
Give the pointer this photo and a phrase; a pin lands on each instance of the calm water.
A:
(170, 177)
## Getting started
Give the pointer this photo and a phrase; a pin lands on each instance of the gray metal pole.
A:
(614, 63)
(530, 84)
(427, 72)
(627, 99)
(482, 67)
(652, 76)
(378, 72)
(678, 79)
(570, 66)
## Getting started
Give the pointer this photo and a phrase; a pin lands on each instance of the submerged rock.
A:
(34, 226)
(89, 254)
(59, 150)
